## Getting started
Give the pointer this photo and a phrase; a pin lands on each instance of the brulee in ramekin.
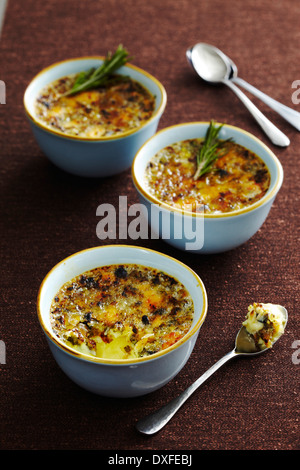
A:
(217, 212)
(94, 153)
(127, 322)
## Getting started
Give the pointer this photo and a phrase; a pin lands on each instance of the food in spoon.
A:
(231, 176)
(122, 312)
(265, 323)
(96, 103)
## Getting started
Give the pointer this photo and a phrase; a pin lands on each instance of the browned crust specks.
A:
(237, 179)
(134, 310)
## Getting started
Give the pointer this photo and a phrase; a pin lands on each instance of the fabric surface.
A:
(47, 214)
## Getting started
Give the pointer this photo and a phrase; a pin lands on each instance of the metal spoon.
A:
(289, 114)
(244, 346)
(213, 67)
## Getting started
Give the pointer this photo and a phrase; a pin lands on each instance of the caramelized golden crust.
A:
(117, 107)
(265, 322)
(236, 180)
(122, 311)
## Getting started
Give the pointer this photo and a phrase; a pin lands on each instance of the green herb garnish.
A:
(94, 78)
(211, 149)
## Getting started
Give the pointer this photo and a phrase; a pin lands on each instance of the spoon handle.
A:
(157, 420)
(274, 134)
(289, 114)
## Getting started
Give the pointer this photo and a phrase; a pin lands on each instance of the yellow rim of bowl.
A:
(38, 123)
(99, 360)
(263, 200)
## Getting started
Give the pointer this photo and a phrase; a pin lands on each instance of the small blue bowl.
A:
(92, 157)
(204, 233)
(121, 378)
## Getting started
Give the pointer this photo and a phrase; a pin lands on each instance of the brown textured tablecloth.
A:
(47, 215)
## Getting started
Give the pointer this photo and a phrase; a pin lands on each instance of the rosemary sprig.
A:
(94, 78)
(210, 150)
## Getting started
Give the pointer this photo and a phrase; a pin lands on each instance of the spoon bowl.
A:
(214, 67)
(244, 346)
(209, 63)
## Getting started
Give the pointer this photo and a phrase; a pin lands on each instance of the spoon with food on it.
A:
(262, 327)
(214, 67)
